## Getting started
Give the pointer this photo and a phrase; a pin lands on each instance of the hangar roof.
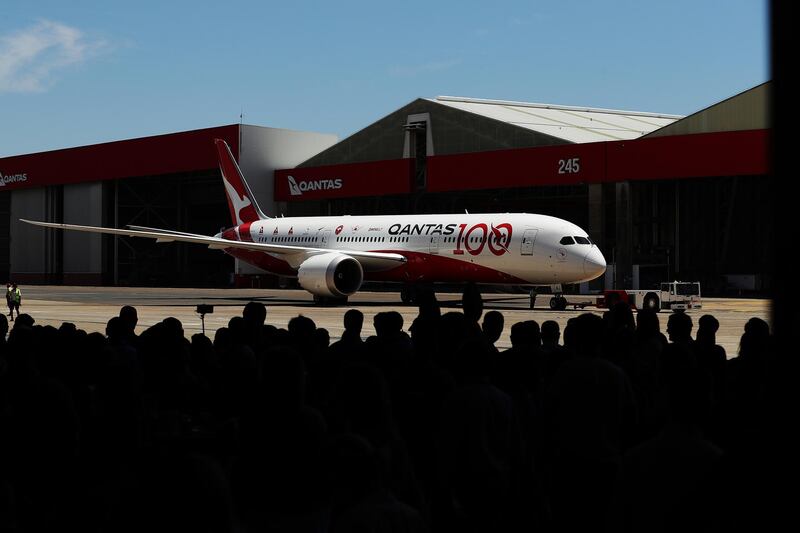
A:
(573, 124)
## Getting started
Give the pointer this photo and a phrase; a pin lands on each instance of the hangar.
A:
(167, 181)
(664, 196)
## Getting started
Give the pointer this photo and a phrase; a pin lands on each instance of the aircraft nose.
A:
(595, 264)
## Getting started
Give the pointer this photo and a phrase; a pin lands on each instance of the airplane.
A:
(331, 256)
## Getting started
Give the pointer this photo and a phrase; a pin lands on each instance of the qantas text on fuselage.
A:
(332, 256)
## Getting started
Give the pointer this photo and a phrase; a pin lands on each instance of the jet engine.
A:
(331, 275)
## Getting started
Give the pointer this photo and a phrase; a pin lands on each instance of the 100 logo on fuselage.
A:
(473, 238)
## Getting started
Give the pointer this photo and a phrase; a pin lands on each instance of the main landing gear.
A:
(408, 294)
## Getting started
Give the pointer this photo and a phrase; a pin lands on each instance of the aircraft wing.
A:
(294, 255)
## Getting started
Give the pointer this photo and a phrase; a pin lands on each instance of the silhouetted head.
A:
(493, 323)
(353, 321)
(115, 329)
(620, 316)
(387, 323)
(3, 326)
(237, 328)
(569, 333)
(427, 303)
(67, 328)
(707, 328)
(472, 303)
(647, 323)
(255, 313)
(525, 335)
(301, 329)
(587, 334)
(679, 327)
(551, 333)
(24, 320)
(173, 326)
(129, 317)
(755, 340)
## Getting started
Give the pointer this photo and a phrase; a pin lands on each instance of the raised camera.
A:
(205, 309)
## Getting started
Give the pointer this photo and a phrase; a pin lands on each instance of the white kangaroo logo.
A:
(294, 189)
(239, 202)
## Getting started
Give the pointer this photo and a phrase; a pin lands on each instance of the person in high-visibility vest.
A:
(14, 297)
(9, 303)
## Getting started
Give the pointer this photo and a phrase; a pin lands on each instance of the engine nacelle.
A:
(331, 274)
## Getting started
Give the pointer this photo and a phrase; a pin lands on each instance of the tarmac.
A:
(89, 308)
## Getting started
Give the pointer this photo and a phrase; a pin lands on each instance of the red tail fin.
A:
(241, 201)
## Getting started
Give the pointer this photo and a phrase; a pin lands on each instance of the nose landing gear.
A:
(558, 303)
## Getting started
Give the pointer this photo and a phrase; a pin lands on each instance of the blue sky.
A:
(83, 72)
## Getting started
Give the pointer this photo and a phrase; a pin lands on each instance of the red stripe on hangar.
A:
(148, 156)
(735, 153)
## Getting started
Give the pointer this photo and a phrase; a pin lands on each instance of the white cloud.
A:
(30, 57)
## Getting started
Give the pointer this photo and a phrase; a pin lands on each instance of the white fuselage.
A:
(488, 248)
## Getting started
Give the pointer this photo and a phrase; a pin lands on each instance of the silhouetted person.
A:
(591, 414)
(427, 303)
(744, 393)
(472, 303)
(679, 329)
(553, 354)
(24, 320)
(254, 315)
(129, 317)
(322, 339)
(672, 482)
(492, 328)
(14, 299)
(519, 366)
(350, 346)
(479, 449)
(644, 370)
(711, 357)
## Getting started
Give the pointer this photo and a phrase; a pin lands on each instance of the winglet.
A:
(241, 201)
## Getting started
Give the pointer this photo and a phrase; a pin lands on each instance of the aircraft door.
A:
(434, 245)
(324, 236)
(528, 240)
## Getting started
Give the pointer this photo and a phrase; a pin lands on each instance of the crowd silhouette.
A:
(616, 427)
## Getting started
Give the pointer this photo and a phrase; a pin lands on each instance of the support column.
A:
(597, 216)
(623, 250)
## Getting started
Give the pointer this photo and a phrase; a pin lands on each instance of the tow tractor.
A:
(672, 295)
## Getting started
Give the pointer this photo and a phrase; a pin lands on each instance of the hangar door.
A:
(193, 202)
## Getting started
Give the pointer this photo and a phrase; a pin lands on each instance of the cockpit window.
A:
(582, 240)
(567, 240)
